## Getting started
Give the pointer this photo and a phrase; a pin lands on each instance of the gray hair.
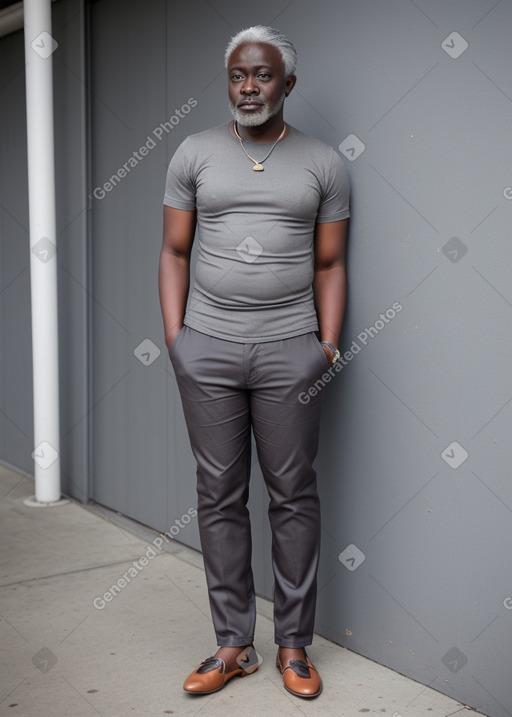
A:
(270, 36)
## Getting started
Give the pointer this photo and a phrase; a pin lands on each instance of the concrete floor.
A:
(62, 656)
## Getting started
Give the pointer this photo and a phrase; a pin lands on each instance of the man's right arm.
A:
(174, 268)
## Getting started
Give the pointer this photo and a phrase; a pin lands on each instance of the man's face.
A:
(256, 83)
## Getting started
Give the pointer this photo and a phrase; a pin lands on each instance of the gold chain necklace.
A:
(258, 165)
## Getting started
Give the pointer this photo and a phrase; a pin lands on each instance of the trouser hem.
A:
(293, 641)
(235, 641)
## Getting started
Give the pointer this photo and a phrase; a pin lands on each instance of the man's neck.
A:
(267, 132)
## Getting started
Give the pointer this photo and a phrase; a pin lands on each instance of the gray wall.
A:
(16, 429)
(415, 567)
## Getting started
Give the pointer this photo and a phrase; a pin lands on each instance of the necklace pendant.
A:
(257, 167)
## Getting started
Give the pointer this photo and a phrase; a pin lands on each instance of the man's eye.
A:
(236, 77)
(265, 75)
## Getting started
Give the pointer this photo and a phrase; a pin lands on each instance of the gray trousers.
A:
(227, 388)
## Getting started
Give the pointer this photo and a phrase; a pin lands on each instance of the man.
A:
(261, 325)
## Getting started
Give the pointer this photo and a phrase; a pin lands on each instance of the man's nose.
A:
(249, 87)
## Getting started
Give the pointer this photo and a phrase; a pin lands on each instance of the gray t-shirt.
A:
(254, 269)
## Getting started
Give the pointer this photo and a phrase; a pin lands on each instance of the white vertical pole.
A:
(39, 47)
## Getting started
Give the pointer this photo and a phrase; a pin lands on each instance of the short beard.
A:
(255, 118)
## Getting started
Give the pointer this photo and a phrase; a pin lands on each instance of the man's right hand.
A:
(171, 336)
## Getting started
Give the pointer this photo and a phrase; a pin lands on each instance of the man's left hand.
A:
(328, 353)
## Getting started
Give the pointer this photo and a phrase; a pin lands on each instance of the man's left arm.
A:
(330, 281)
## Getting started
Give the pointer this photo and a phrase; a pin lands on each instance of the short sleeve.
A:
(334, 204)
(180, 189)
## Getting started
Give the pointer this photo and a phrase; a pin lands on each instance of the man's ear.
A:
(290, 84)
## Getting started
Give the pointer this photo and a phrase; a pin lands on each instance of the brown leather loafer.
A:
(211, 674)
(300, 678)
